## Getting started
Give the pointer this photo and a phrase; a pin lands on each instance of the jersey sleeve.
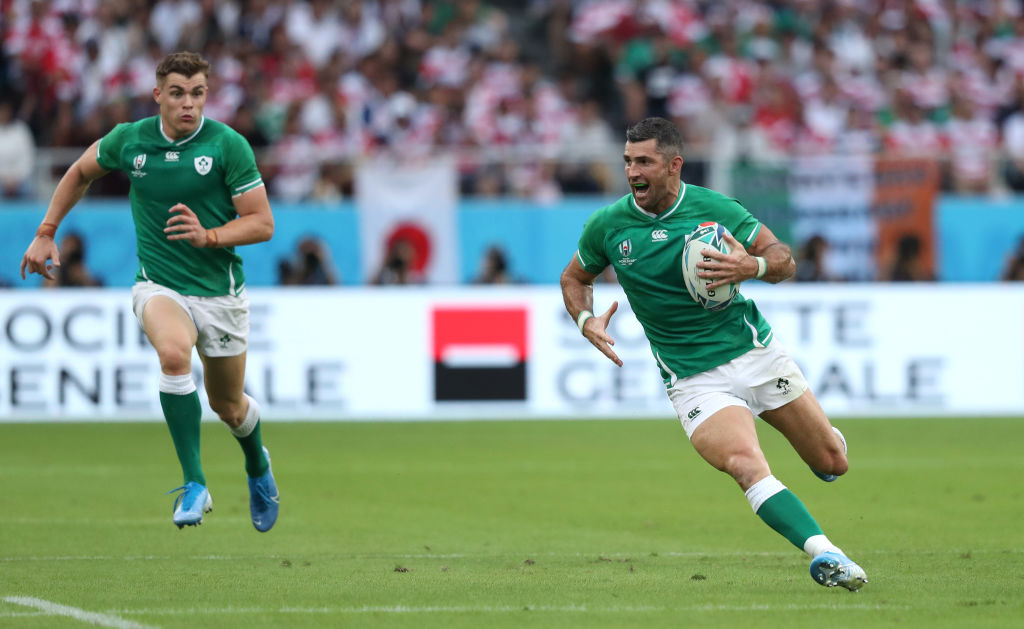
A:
(590, 249)
(108, 152)
(241, 173)
(740, 222)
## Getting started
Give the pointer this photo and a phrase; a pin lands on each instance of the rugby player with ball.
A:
(680, 251)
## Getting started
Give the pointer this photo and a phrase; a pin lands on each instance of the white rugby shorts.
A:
(222, 322)
(763, 379)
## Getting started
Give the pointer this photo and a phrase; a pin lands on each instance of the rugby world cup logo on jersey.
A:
(138, 163)
(203, 164)
(625, 248)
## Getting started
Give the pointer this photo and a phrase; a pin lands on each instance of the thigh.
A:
(224, 378)
(728, 441)
(803, 422)
(698, 397)
(171, 331)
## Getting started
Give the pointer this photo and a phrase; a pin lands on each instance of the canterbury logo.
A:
(659, 234)
(693, 413)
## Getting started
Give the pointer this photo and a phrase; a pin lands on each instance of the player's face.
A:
(181, 102)
(651, 175)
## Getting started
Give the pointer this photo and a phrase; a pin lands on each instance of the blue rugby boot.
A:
(828, 478)
(191, 504)
(263, 499)
(831, 569)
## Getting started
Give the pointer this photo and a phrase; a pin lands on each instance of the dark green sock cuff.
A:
(789, 517)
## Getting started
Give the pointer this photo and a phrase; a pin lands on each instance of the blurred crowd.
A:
(531, 96)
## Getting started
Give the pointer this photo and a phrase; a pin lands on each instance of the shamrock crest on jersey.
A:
(203, 164)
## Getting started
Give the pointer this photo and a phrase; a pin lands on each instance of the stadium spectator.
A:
(586, 136)
(17, 153)
(73, 271)
(293, 161)
(1012, 127)
(907, 265)
(1014, 270)
(311, 266)
(397, 267)
(494, 268)
(811, 262)
(712, 67)
(245, 123)
(912, 133)
(973, 144)
(170, 20)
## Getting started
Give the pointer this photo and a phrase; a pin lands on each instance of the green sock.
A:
(256, 463)
(184, 414)
(789, 517)
(248, 435)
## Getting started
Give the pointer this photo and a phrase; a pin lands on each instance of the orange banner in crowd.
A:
(905, 193)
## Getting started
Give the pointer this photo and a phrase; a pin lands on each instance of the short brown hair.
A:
(184, 63)
(666, 134)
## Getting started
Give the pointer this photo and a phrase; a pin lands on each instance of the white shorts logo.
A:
(203, 164)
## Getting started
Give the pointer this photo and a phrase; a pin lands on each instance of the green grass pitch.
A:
(505, 524)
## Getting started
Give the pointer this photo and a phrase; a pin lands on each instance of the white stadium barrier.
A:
(482, 353)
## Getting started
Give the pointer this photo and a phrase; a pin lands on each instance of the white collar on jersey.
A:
(202, 121)
(682, 193)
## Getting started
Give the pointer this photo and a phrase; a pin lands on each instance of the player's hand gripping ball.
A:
(708, 235)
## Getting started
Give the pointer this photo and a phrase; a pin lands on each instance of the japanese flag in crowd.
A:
(412, 205)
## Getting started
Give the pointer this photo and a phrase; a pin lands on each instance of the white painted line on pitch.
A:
(511, 554)
(504, 609)
(50, 608)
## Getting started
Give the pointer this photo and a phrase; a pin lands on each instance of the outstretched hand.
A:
(41, 250)
(724, 269)
(595, 329)
(184, 225)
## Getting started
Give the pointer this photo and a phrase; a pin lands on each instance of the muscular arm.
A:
(255, 223)
(578, 295)
(740, 264)
(776, 253)
(577, 288)
(70, 190)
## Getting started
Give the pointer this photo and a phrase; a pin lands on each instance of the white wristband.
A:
(582, 318)
(762, 267)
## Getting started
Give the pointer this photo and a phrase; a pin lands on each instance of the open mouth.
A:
(640, 189)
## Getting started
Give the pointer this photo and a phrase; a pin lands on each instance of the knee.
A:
(746, 467)
(231, 412)
(828, 458)
(175, 359)
(835, 461)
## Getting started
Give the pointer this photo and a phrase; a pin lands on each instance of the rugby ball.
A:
(708, 235)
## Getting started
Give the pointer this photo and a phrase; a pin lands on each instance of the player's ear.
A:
(156, 93)
(677, 164)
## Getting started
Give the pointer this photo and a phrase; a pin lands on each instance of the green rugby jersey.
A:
(204, 171)
(647, 252)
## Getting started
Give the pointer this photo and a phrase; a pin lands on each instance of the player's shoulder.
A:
(140, 129)
(220, 130)
(700, 194)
